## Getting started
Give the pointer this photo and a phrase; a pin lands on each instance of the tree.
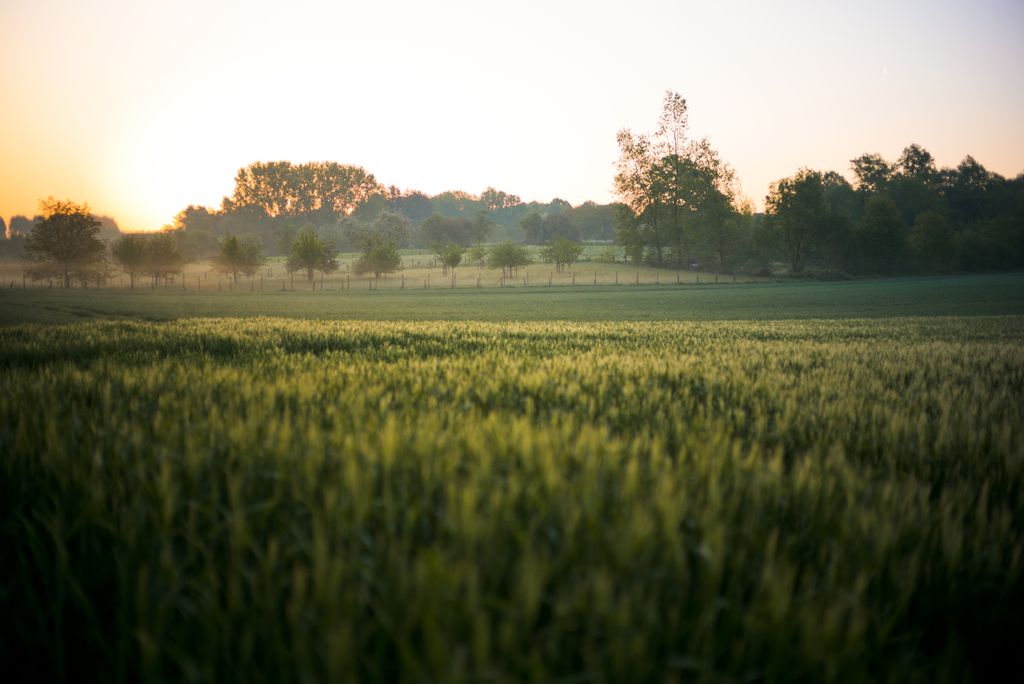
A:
(496, 199)
(672, 185)
(286, 189)
(477, 254)
(450, 256)
(130, 253)
(239, 256)
(308, 252)
(873, 173)
(917, 162)
(64, 244)
(796, 209)
(562, 252)
(163, 256)
(379, 255)
(508, 256)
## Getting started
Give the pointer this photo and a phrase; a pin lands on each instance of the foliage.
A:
(677, 191)
(64, 244)
(438, 229)
(508, 256)
(562, 253)
(496, 199)
(477, 254)
(379, 256)
(286, 189)
(239, 256)
(269, 499)
(881, 237)
(130, 254)
(309, 253)
(543, 229)
(450, 256)
(163, 256)
(797, 208)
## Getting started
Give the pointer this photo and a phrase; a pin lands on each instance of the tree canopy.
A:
(309, 253)
(64, 244)
(508, 256)
(239, 256)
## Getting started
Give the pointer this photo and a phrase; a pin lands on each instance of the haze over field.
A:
(142, 109)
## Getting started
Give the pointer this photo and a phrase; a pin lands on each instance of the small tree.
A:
(380, 255)
(450, 256)
(239, 256)
(308, 252)
(477, 254)
(562, 252)
(508, 256)
(163, 257)
(64, 244)
(129, 253)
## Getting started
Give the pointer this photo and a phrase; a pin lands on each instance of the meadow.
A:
(281, 499)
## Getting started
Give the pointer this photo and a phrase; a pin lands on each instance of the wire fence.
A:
(418, 274)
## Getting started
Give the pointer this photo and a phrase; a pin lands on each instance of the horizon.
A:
(142, 111)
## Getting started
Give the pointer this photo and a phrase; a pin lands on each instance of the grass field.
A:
(950, 296)
(270, 498)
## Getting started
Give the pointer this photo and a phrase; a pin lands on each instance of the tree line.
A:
(681, 207)
(273, 202)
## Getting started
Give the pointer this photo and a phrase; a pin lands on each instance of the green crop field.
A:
(999, 294)
(715, 501)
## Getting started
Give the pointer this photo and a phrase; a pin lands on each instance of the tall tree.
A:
(65, 243)
(673, 186)
(286, 189)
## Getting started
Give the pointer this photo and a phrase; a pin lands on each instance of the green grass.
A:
(946, 296)
(274, 499)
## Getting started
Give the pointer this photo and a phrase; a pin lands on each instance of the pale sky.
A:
(140, 108)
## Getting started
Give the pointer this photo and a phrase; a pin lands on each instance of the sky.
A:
(141, 108)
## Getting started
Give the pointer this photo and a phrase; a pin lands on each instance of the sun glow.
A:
(141, 109)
